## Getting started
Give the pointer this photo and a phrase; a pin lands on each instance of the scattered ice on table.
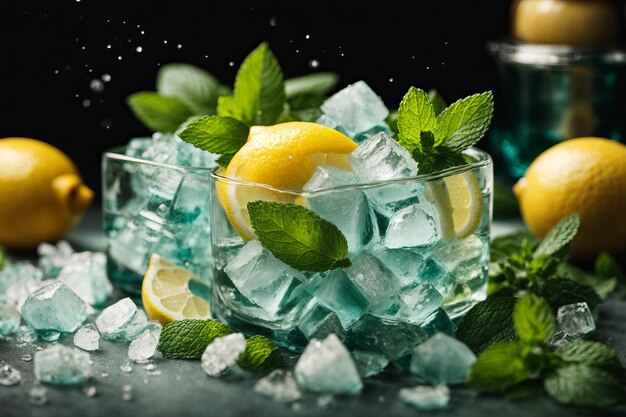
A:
(369, 363)
(26, 357)
(222, 354)
(121, 321)
(86, 274)
(143, 347)
(560, 339)
(442, 360)
(127, 392)
(87, 337)
(22, 289)
(356, 108)
(155, 327)
(413, 226)
(152, 370)
(327, 367)
(9, 375)
(54, 307)
(575, 319)
(375, 281)
(348, 208)
(262, 278)
(419, 302)
(337, 292)
(394, 339)
(405, 264)
(52, 258)
(126, 368)
(382, 158)
(9, 319)
(26, 335)
(62, 365)
(38, 395)
(325, 401)
(279, 385)
(319, 322)
(90, 391)
(49, 335)
(438, 322)
(18, 271)
(426, 398)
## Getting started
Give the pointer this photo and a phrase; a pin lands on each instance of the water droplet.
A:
(86, 102)
(342, 54)
(106, 78)
(143, 32)
(206, 57)
(314, 63)
(127, 392)
(139, 49)
(109, 46)
(27, 358)
(83, 47)
(273, 21)
(96, 85)
(56, 72)
(77, 1)
(106, 123)
(297, 51)
(90, 391)
(427, 68)
(104, 375)
(307, 36)
(445, 43)
(443, 63)
(165, 41)
(231, 64)
(179, 46)
(119, 58)
(390, 80)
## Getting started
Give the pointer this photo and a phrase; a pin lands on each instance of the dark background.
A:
(51, 50)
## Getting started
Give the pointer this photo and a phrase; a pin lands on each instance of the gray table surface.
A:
(183, 389)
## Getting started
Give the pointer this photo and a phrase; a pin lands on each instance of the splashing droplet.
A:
(56, 72)
(165, 41)
(139, 49)
(106, 78)
(179, 46)
(109, 46)
(390, 79)
(86, 102)
(143, 32)
(307, 36)
(119, 58)
(106, 123)
(314, 63)
(96, 85)
(231, 64)
(273, 21)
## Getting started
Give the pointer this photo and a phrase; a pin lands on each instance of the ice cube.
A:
(363, 137)
(87, 338)
(426, 398)
(405, 264)
(191, 199)
(413, 226)
(419, 302)
(15, 272)
(62, 365)
(347, 208)
(52, 258)
(19, 292)
(560, 339)
(9, 375)
(49, 335)
(454, 252)
(54, 307)
(439, 277)
(438, 322)
(356, 108)
(394, 339)
(336, 291)
(38, 395)
(143, 347)
(382, 158)
(327, 121)
(369, 363)
(85, 273)
(575, 319)
(319, 322)
(442, 360)
(121, 321)
(9, 319)
(222, 354)
(375, 281)
(155, 327)
(327, 367)
(262, 278)
(131, 247)
(137, 146)
(280, 386)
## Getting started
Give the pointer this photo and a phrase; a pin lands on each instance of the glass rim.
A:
(117, 153)
(483, 159)
(512, 51)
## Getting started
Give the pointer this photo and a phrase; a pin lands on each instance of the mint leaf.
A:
(559, 236)
(584, 385)
(488, 322)
(187, 339)
(318, 84)
(415, 115)
(306, 102)
(157, 112)
(607, 267)
(588, 353)
(184, 125)
(563, 291)
(228, 107)
(261, 355)
(298, 237)
(195, 87)
(603, 287)
(259, 88)
(436, 159)
(220, 135)
(498, 368)
(465, 122)
(533, 319)
(439, 104)
(504, 246)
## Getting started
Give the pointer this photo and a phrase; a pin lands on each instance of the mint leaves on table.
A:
(298, 237)
(187, 339)
(580, 373)
(488, 322)
(261, 355)
(437, 137)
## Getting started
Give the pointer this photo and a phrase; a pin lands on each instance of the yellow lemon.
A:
(585, 175)
(464, 206)
(282, 156)
(41, 193)
(170, 292)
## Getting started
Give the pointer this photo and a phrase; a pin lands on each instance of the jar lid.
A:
(555, 55)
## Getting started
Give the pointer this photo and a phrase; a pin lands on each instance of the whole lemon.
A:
(41, 193)
(584, 175)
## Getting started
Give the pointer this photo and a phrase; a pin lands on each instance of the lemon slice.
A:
(282, 156)
(460, 204)
(170, 293)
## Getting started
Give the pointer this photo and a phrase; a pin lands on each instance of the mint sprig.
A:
(581, 373)
(261, 355)
(187, 339)
(488, 322)
(299, 237)
(159, 113)
(220, 135)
